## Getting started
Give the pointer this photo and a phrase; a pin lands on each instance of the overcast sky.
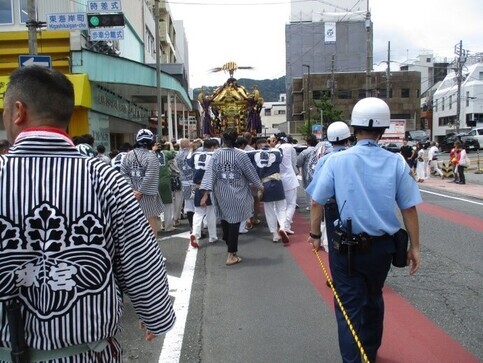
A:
(219, 31)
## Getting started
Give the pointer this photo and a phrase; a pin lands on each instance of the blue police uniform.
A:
(368, 183)
(318, 166)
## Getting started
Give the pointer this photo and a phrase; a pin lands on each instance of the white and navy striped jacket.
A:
(72, 241)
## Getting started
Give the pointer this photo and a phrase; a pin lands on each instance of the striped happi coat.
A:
(73, 239)
(228, 174)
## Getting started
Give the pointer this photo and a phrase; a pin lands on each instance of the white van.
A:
(477, 133)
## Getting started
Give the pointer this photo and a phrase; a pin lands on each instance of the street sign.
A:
(35, 60)
(67, 21)
(103, 6)
(106, 34)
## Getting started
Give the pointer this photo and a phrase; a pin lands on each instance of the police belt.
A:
(37, 355)
(361, 243)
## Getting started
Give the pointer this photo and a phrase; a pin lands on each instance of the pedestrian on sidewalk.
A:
(433, 154)
(462, 161)
(228, 176)
(421, 164)
(366, 182)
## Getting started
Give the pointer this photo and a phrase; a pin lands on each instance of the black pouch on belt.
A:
(400, 257)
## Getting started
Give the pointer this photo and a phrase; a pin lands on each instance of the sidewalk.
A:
(472, 188)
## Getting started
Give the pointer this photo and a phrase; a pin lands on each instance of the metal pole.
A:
(158, 67)
(368, 50)
(388, 74)
(32, 27)
(459, 65)
(309, 99)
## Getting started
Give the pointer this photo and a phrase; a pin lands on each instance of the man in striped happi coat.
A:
(73, 238)
(228, 176)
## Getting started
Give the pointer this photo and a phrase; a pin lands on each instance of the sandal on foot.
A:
(233, 261)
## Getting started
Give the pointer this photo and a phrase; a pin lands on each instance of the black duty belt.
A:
(361, 243)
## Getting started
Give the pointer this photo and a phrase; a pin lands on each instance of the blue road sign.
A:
(35, 60)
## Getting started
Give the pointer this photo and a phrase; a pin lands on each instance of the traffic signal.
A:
(105, 20)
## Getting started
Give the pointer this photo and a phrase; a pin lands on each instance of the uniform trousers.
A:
(361, 297)
(209, 213)
(291, 199)
(275, 212)
(230, 235)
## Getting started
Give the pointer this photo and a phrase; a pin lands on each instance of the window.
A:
(428, 60)
(268, 112)
(481, 76)
(436, 105)
(467, 98)
(404, 92)
(344, 94)
(442, 103)
(450, 101)
(281, 112)
(6, 12)
(361, 94)
(24, 14)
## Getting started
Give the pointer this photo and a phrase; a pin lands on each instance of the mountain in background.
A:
(270, 89)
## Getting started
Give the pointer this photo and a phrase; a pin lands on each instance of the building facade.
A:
(445, 100)
(115, 80)
(403, 98)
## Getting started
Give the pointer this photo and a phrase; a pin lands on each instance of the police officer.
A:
(366, 182)
(339, 135)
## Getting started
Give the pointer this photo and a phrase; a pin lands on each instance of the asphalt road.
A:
(275, 307)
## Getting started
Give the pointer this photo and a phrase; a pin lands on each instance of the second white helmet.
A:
(338, 131)
(371, 113)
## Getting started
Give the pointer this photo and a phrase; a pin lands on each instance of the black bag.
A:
(175, 183)
(400, 257)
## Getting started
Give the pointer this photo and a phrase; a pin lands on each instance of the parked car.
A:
(418, 136)
(394, 147)
(469, 142)
(477, 132)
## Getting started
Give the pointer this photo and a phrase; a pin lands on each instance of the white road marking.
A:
(451, 197)
(173, 341)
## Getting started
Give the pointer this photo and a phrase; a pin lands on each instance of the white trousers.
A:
(291, 198)
(275, 212)
(434, 164)
(177, 204)
(209, 213)
(168, 216)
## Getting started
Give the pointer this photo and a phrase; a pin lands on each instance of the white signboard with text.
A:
(67, 21)
(103, 6)
(106, 34)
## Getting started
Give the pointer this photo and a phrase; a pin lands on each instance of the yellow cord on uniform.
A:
(346, 317)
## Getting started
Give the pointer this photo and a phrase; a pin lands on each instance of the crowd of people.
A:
(425, 162)
(104, 213)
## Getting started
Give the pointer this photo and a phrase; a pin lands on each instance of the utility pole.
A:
(309, 98)
(460, 61)
(32, 27)
(388, 72)
(158, 67)
(368, 50)
(332, 81)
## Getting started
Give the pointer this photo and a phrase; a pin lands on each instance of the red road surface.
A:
(409, 336)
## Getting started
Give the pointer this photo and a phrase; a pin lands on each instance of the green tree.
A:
(329, 115)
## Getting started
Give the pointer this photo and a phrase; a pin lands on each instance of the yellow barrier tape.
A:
(344, 313)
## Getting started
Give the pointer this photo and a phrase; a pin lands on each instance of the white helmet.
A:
(144, 135)
(371, 112)
(338, 131)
